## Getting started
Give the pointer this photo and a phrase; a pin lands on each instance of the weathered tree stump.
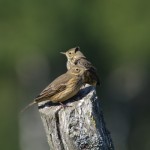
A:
(80, 126)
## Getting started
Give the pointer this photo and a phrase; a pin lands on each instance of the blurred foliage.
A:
(114, 35)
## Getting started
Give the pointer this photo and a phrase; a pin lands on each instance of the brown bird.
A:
(76, 57)
(63, 87)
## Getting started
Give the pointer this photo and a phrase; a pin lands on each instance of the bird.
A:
(76, 57)
(62, 88)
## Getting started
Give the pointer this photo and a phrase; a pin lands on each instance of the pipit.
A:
(63, 87)
(76, 57)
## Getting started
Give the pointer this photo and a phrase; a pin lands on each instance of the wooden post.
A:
(80, 126)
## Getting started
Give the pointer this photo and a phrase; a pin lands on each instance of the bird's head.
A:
(78, 70)
(73, 53)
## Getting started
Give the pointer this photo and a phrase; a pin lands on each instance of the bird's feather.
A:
(55, 87)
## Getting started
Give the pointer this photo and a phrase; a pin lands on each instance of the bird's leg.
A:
(63, 105)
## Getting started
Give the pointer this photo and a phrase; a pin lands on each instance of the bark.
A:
(79, 126)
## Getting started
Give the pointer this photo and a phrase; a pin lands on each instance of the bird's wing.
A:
(84, 62)
(58, 85)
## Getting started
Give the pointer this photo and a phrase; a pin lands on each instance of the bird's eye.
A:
(70, 53)
(77, 69)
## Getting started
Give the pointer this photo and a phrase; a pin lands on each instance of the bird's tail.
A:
(29, 105)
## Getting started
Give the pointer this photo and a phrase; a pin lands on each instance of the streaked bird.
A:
(63, 87)
(76, 57)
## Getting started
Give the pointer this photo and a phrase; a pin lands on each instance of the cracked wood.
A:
(79, 127)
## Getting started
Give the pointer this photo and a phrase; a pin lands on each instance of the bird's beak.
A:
(63, 53)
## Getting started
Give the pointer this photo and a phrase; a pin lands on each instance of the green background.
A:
(115, 37)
